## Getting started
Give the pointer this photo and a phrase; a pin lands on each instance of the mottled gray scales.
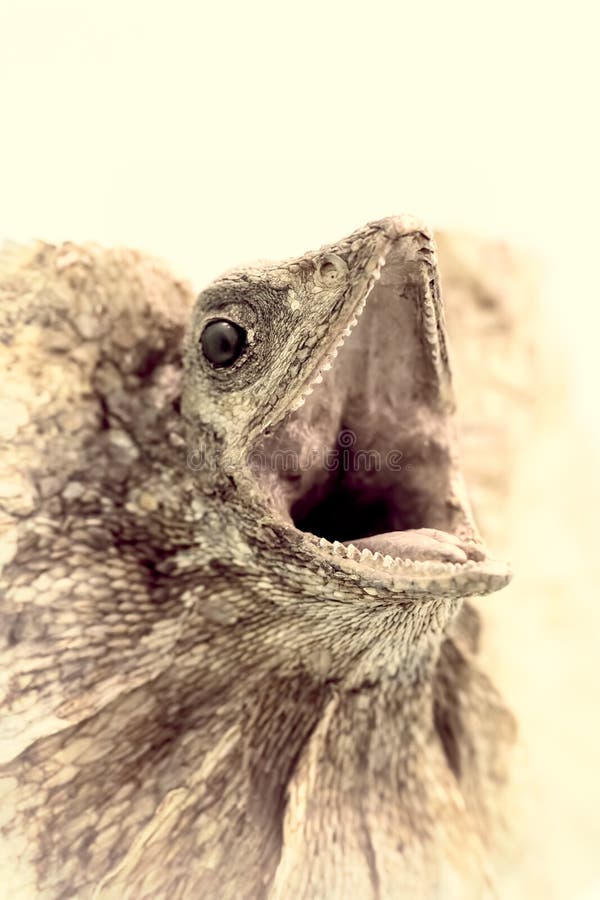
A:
(224, 675)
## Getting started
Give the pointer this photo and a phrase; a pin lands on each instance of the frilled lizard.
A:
(236, 658)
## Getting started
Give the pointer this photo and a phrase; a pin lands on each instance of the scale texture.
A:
(194, 701)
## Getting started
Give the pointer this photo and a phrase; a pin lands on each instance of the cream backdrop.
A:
(212, 134)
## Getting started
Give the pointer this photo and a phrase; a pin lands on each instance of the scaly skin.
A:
(199, 700)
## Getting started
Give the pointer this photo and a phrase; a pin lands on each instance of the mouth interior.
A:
(368, 459)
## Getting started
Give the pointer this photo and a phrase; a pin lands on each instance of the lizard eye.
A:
(222, 342)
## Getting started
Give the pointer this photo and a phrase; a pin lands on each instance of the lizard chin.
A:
(366, 466)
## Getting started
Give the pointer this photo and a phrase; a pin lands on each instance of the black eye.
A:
(222, 342)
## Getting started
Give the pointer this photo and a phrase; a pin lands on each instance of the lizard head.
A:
(326, 386)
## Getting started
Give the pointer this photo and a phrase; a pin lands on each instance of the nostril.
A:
(328, 272)
(331, 270)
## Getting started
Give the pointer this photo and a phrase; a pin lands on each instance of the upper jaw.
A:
(365, 253)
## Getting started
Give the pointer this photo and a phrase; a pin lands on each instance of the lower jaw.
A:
(414, 578)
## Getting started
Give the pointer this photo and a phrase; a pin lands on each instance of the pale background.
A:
(212, 134)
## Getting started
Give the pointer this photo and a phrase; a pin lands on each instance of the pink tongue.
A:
(422, 544)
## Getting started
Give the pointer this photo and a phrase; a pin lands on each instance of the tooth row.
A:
(430, 324)
(374, 271)
(378, 560)
(374, 266)
(297, 403)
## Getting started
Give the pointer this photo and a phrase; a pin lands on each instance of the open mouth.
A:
(365, 465)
